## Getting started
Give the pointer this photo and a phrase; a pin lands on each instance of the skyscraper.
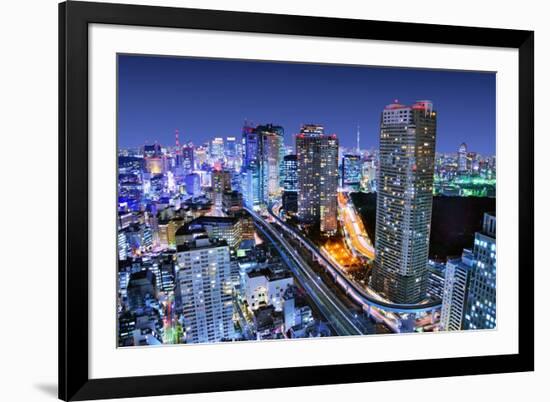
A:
(263, 151)
(204, 285)
(221, 182)
(351, 170)
(216, 149)
(250, 146)
(187, 158)
(462, 158)
(250, 184)
(404, 201)
(290, 183)
(290, 173)
(273, 153)
(231, 147)
(130, 181)
(455, 292)
(481, 304)
(317, 167)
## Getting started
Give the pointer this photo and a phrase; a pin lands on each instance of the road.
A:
(354, 230)
(342, 320)
(365, 297)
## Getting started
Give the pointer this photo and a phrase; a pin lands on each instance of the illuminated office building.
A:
(200, 157)
(216, 150)
(351, 171)
(187, 158)
(290, 184)
(231, 147)
(221, 181)
(263, 152)
(249, 186)
(204, 286)
(225, 228)
(481, 304)
(404, 201)
(290, 173)
(455, 291)
(317, 168)
(462, 158)
(130, 181)
(193, 184)
(272, 138)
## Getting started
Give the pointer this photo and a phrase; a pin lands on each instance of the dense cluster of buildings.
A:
(465, 173)
(469, 293)
(192, 268)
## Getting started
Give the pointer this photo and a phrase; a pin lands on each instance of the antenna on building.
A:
(358, 138)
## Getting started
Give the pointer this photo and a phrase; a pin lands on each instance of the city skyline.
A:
(248, 239)
(207, 98)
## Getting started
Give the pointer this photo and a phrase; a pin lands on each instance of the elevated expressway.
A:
(342, 320)
(355, 234)
(371, 303)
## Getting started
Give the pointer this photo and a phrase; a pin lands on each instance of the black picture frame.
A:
(74, 381)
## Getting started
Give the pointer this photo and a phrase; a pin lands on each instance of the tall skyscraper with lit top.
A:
(317, 166)
(404, 201)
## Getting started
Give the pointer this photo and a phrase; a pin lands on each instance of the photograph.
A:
(280, 201)
(268, 200)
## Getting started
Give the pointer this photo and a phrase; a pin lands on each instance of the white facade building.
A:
(455, 291)
(265, 288)
(204, 284)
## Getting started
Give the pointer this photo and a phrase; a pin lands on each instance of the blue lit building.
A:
(481, 304)
(290, 183)
(469, 295)
(250, 183)
(230, 147)
(130, 181)
(351, 171)
(290, 173)
(263, 151)
(187, 158)
(193, 184)
(217, 150)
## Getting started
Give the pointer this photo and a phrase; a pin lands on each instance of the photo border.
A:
(74, 381)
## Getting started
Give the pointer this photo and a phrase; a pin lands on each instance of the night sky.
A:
(206, 98)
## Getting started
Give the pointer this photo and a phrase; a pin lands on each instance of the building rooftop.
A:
(200, 243)
(270, 274)
(197, 224)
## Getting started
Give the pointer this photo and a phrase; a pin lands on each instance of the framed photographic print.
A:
(256, 200)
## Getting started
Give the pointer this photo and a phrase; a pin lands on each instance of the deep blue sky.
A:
(206, 98)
